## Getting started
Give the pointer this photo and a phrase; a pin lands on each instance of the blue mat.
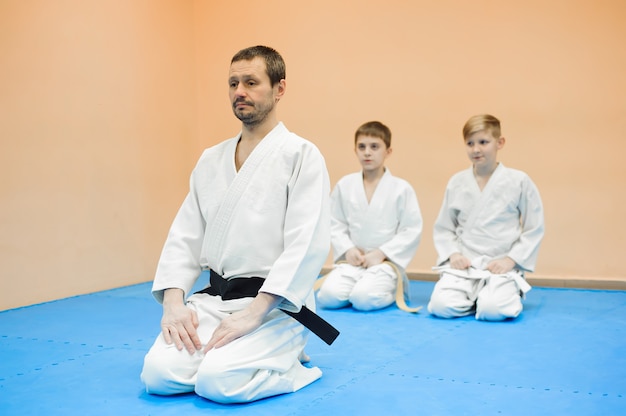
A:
(565, 355)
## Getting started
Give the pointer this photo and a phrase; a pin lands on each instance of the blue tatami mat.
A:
(566, 355)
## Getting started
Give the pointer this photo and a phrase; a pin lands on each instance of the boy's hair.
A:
(482, 122)
(274, 63)
(374, 129)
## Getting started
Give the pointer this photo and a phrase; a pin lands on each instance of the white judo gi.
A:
(504, 219)
(391, 222)
(271, 220)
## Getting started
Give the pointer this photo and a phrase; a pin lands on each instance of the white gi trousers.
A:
(364, 288)
(260, 364)
(494, 298)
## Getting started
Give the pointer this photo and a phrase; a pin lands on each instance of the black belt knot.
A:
(248, 287)
(236, 288)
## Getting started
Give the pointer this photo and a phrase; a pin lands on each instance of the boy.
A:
(487, 233)
(376, 226)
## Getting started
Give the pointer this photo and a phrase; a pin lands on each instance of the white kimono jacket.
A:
(505, 219)
(391, 221)
(270, 219)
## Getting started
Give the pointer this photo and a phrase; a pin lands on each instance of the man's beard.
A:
(254, 117)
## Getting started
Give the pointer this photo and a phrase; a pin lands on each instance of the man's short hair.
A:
(274, 63)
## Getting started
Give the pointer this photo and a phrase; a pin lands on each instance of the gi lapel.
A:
(380, 196)
(214, 237)
(483, 200)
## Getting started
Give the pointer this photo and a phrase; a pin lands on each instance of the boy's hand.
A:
(373, 258)
(354, 257)
(501, 266)
(459, 261)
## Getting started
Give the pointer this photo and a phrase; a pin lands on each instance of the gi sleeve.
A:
(402, 247)
(339, 228)
(525, 250)
(445, 230)
(179, 265)
(306, 231)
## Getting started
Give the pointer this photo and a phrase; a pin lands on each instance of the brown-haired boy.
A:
(376, 226)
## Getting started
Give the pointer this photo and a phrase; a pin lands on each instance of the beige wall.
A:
(96, 126)
(105, 105)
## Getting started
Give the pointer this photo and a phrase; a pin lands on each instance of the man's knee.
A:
(156, 376)
(152, 376)
(224, 386)
(167, 370)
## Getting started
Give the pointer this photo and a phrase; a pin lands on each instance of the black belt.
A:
(247, 287)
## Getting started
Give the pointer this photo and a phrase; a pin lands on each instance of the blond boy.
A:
(487, 233)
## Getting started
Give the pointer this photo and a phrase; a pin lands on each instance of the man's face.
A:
(251, 94)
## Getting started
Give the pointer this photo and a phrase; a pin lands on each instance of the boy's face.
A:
(482, 149)
(371, 152)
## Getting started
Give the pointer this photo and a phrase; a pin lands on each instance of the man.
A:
(257, 216)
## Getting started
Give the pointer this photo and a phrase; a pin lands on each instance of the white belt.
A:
(474, 273)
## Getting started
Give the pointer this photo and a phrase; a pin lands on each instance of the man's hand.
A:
(179, 323)
(354, 257)
(244, 321)
(459, 261)
(501, 266)
(373, 258)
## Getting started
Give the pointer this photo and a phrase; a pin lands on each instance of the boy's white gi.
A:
(504, 219)
(391, 222)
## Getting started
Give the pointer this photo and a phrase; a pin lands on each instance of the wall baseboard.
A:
(565, 282)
